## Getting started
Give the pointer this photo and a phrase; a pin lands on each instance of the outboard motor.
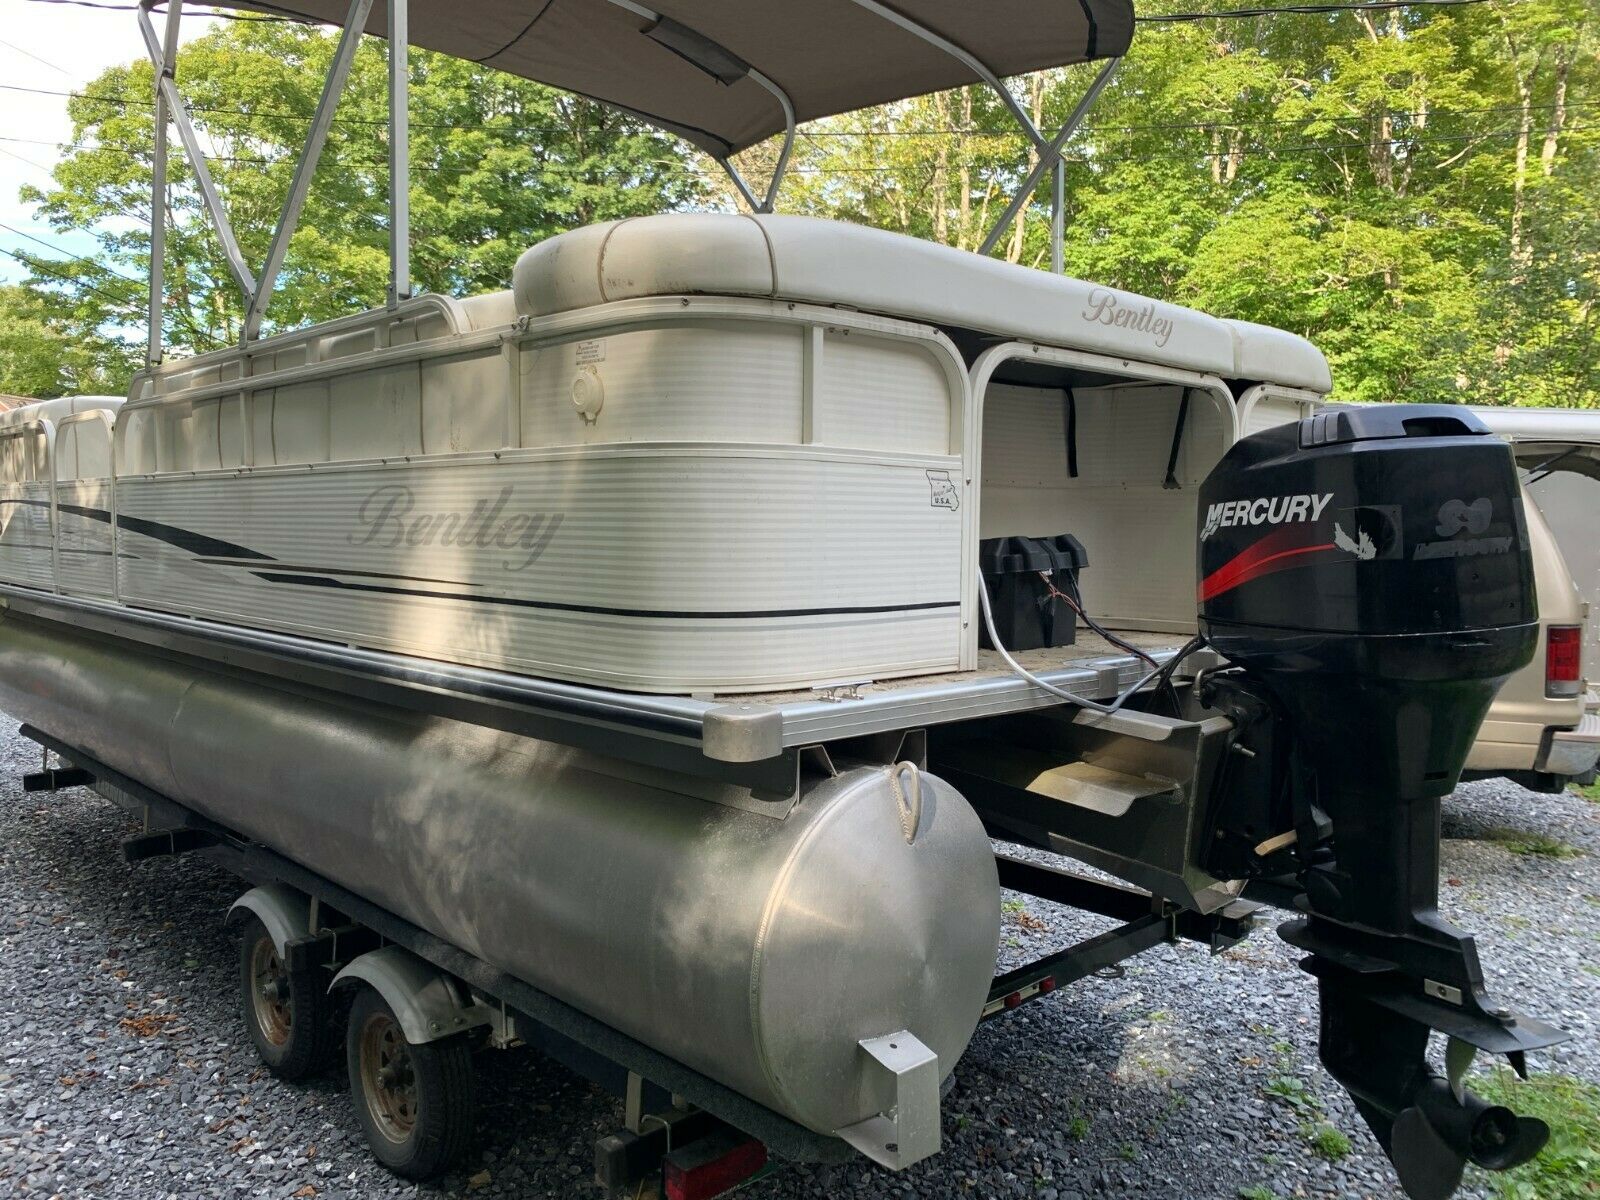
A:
(1368, 570)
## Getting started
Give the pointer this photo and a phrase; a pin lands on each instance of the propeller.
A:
(1447, 1126)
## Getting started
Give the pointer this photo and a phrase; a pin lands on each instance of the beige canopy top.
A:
(695, 66)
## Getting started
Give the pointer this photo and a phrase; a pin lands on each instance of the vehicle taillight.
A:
(1563, 661)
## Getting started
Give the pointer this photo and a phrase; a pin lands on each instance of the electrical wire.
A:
(1097, 706)
(1162, 18)
(1300, 10)
(502, 126)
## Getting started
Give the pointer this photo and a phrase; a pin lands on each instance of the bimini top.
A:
(828, 262)
(694, 66)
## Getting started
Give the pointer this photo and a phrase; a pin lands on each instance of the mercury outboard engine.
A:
(1368, 571)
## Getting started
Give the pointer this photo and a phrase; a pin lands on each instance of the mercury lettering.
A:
(1265, 510)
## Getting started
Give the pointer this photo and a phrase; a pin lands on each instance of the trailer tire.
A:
(288, 1013)
(414, 1102)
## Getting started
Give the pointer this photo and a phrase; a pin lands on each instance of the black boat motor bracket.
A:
(1366, 571)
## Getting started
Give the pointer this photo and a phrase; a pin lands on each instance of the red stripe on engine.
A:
(1250, 564)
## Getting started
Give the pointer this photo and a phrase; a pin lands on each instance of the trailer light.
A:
(1047, 984)
(1563, 661)
(699, 1172)
(1013, 1000)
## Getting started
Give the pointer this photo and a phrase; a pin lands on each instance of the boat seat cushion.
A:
(832, 263)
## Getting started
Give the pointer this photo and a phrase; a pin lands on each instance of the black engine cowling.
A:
(1368, 570)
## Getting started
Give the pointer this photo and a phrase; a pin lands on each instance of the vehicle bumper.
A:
(1572, 751)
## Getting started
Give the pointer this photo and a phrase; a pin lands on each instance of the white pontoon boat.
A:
(597, 646)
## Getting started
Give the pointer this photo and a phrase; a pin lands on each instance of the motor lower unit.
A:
(1367, 571)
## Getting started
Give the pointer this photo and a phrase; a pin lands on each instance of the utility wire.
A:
(77, 257)
(1164, 18)
(1172, 155)
(502, 126)
(34, 264)
(195, 333)
(220, 16)
(1301, 9)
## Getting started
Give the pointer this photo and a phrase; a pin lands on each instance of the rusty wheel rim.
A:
(269, 993)
(388, 1077)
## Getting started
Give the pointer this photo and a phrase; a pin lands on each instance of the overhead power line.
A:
(1175, 154)
(221, 16)
(196, 335)
(1163, 18)
(508, 127)
(35, 264)
(1298, 9)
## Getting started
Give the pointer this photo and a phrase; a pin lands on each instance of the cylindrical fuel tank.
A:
(755, 949)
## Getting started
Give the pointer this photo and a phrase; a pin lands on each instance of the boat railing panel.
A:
(28, 505)
(696, 369)
(86, 505)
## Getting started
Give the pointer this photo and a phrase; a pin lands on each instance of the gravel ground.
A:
(124, 1069)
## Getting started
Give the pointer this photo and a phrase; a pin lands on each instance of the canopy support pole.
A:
(966, 58)
(1048, 150)
(769, 198)
(399, 153)
(1049, 155)
(306, 165)
(191, 147)
(1058, 220)
(158, 186)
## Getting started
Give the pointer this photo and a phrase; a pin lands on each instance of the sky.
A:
(56, 47)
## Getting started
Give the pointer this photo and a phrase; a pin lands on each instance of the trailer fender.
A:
(427, 1002)
(285, 912)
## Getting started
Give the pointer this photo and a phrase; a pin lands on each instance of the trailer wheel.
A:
(287, 1012)
(414, 1101)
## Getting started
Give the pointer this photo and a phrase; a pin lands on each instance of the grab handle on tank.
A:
(907, 797)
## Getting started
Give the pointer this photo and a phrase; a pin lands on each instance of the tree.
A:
(49, 349)
(1413, 189)
(498, 164)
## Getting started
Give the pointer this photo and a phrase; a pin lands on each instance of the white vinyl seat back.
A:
(828, 262)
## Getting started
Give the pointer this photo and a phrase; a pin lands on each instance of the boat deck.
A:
(730, 738)
(747, 728)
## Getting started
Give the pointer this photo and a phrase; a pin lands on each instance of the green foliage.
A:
(49, 346)
(1590, 792)
(498, 164)
(1292, 1090)
(1327, 1142)
(1413, 189)
(1520, 841)
(1258, 1192)
(1569, 1167)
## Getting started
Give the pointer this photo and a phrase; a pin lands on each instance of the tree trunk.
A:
(1519, 181)
(1558, 114)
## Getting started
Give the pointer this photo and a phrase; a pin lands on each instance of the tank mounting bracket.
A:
(904, 1075)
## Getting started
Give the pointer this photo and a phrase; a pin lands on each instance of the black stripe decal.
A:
(184, 539)
(208, 547)
(303, 570)
(197, 544)
(601, 610)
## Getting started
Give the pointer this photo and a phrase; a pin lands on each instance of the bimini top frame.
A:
(723, 74)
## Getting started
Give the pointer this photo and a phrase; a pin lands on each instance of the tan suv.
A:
(1544, 729)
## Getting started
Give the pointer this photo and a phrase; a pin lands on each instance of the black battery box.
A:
(1020, 573)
